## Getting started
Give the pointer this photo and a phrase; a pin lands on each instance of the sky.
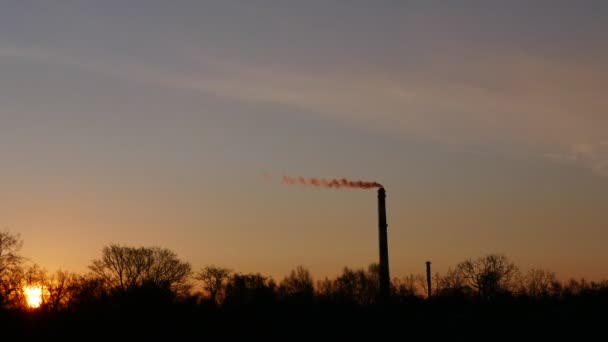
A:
(171, 123)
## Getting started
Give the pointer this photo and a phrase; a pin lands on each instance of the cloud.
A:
(503, 101)
(594, 156)
(500, 99)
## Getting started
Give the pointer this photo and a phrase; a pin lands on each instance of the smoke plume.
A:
(330, 183)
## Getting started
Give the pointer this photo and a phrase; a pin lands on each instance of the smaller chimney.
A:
(428, 278)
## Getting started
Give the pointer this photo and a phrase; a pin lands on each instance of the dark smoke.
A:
(331, 183)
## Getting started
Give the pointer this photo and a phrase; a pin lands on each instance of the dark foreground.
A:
(512, 318)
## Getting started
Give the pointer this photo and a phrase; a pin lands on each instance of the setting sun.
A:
(33, 295)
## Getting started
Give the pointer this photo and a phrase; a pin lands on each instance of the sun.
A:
(33, 296)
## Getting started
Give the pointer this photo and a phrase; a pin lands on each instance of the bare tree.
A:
(86, 291)
(245, 289)
(60, 289)
(298, 284)
(325, 288)
(436, 283)
(214, 281)
(488, 276)
(421, 285)
(357, 286)
(538, 282)
(11, 267)
(409, 285)
(573, 287)
(123, 268)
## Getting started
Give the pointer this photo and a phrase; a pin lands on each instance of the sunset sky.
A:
(171, 123)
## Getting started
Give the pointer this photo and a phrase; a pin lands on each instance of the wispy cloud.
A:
(595, 156)
(500, 99)
(496, 100)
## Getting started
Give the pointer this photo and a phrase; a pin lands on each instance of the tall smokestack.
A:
(383, 239)
(428, 278)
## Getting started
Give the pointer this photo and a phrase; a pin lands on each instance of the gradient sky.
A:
(153, 123)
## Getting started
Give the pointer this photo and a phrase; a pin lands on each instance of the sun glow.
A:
(33, 295)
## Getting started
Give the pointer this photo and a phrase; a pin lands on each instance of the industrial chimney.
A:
(384, 274)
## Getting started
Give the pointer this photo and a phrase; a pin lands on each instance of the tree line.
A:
(151, 284)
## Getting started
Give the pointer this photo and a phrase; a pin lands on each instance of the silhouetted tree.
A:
(298, 285)
(538, 282)
(574, 288)
(357, 286)
(60, 289)
(325, 289)
(453, 284)
(124, 268)
(421, 286)
(214, 281)
(373, 277)
(488, 276)
(244, 289)
(134, 294)
(409, 286)
(33, 276)
(86, 292)
(11, 268)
